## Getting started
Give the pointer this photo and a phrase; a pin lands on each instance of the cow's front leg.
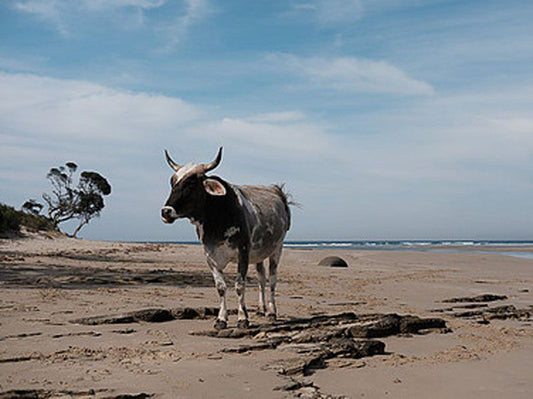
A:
(273, 275)
(220, 284)
(240, 286)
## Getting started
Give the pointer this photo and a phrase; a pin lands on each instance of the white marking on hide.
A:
(184, 171)
(220, 285)
(199, 228)
(231, 232)
(246, 205)
(173, 213)
(221, 255)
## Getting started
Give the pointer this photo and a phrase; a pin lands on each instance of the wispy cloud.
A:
(70, 17)
(50, 11)
(177, 29)
(351, 74)
(329, 12)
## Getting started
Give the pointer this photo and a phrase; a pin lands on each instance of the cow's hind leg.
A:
(240, 287)
(220, 284)
(273, 277)
(261, 309)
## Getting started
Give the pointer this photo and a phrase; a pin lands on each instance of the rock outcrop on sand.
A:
(319, 338)
(478, 298)
(477, 309)
(333, 261)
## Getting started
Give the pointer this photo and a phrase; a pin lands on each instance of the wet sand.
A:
(329, 319)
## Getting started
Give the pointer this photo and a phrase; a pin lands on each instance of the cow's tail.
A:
(287, 199)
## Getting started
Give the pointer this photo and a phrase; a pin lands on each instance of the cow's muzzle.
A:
(168, 214)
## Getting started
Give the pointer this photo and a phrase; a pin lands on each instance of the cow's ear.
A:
(214, 187)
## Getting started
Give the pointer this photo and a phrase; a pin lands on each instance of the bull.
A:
(235, 224)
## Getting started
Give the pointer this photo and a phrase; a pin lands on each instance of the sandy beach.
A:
(106, 319)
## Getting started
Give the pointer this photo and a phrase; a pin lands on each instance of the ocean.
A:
(472, 246)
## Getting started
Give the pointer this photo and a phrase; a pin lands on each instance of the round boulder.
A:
(333, 261)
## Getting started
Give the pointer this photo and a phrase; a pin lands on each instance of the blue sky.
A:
(386, 119)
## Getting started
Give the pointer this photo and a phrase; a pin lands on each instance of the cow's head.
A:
(190, 186)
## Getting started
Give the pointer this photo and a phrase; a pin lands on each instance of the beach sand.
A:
(46, 284)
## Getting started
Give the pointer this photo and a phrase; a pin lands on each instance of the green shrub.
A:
(9, 219)
(37, 222)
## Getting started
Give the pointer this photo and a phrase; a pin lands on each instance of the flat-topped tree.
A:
(68, 201)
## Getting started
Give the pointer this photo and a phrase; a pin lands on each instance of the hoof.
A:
(271, 317)
(220, 325)
(243, 323)
(260, 313)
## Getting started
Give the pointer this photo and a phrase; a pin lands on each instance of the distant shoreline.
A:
(515, 248)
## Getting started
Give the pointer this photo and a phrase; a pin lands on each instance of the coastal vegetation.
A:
(13, 222)
(66, 201)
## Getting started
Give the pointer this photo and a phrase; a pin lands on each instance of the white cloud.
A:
(47, 108)
(299, 138)
(352, 74)
(434, 160)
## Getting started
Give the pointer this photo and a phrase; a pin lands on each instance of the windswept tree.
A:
(91, 189)
(68, 201)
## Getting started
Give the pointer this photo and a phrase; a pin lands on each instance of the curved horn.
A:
(172, 164)
(212, 165)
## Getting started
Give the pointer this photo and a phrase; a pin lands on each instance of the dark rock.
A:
(355, 349)
(291, 386)
(507, 312)
(498, 312)
(414, 324)
(25, 393)
(320, 338)
(303, 365)
(471, 306)
(45, 394)
(479, 298)
(384, 327)
(150, 316)
(317, 336)
(345, 347)
(333, 261)
(393, 324)
(252, 347)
